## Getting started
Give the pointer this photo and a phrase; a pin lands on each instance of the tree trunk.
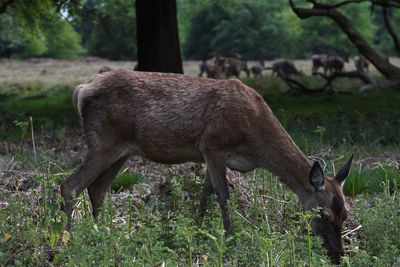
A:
(157, 36)
(388, 70)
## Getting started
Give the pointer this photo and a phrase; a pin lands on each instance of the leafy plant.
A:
(126, 180)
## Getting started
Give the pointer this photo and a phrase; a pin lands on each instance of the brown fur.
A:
(213, 67)
(172, 118)
(329, 63)
(285, 67)
(257, 68)
(234, 65)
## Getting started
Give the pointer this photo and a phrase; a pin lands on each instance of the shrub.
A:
(126, 180)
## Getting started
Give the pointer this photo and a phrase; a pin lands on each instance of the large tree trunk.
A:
(157, 36)
(388, 70)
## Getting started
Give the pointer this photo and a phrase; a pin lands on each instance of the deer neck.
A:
(284, 159)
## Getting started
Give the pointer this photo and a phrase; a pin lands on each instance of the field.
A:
(150, 216)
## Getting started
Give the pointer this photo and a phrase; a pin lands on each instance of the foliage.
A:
(252, 29)
(271, 231)
(51, 36)
(107, 33)
(62, 41)
(198, 45)
(269, 29)
(381, 38)
(321, 35)
(379, 244)
(259, 29)
(16, 41)
(126, 180)
(50, 109)
(349, 119)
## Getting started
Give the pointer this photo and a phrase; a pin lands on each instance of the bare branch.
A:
(373, 2)
(316, 4)
(347, 74)
(389, 27)
(325, 88)
(390, 71)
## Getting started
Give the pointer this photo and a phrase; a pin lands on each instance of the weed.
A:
(126, 180)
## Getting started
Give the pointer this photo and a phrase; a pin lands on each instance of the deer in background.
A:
(335, 63)
(328, 62)
(214, 67)
(234, 65)
(257, 68)
(319, 61)
(171, 118)
(285, 67)
(361, 64)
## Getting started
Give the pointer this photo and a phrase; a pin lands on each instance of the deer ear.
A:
(344, 171)
(317, 177)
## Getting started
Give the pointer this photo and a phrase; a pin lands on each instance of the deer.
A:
(361, 64)
(319, 61)
(214, 67)
(285, 67)
(171, 118)
(257, 68)
(335, 63)
(234, 65)
(329, 63)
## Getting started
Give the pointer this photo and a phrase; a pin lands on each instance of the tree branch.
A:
(347, 74)
(389, 27)
(384, 3)
(390, 71)
(325, 88)
(327, 6)
(298, 86)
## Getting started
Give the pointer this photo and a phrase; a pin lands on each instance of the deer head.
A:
(329, 198)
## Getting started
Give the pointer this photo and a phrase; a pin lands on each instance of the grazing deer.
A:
(214, 67)
(361, 64)
(257, 68)
(171, 118)
(319, 61)
(234, 65)
(329, 63)
(285, 67)
(104, 69)
(335, 63)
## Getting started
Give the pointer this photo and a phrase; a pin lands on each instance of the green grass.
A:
(50, 108)
(126, 180)
(351, 119)
(271, 229)
(372, 179)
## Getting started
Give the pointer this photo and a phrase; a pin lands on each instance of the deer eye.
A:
(325, 215)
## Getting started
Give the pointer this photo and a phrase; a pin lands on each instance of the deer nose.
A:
(335, 256)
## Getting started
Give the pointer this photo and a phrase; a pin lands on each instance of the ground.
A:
(150, 216)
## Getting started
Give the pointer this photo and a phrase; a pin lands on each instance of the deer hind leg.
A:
(216, 164)
(96, 162)
(98, 188)
(206, 192)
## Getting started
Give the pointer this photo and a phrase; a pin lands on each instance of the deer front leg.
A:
(216, 164)
(206, 192)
